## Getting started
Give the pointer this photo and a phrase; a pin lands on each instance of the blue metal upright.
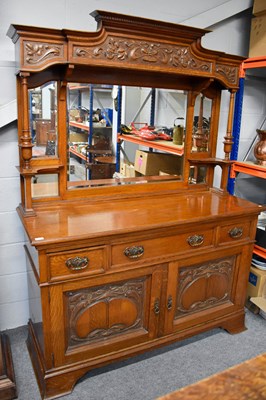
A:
(118, 144)
(91, 116)
(153, 95)
(236, 129)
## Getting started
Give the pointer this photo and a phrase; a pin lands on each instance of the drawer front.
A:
(140, 250)
(77, 263)
(234, 232)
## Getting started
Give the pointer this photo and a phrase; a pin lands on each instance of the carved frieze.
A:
(105, 311)
(227, 72)
(37, 52)
(143, 52)
(203, 286)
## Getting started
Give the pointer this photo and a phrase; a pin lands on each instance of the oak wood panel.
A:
(234, 231)
(58, 268)
(82, 314)
(162, 246)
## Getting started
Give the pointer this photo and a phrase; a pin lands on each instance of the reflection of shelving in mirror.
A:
(42, 113)
(162, 145)
(90, 116)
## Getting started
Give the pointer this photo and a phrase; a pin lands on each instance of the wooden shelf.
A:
(162, 145)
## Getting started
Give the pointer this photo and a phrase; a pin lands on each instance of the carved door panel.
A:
(201, 290)
(103, 315)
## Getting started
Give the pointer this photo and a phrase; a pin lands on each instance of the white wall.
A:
(228, 36)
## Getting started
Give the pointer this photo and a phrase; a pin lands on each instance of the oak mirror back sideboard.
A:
(130, 246)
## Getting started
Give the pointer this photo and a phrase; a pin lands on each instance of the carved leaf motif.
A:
(144, 52)
(230, 73)
(37, 52)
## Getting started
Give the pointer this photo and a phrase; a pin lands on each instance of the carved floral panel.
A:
(143, 52)
(37, 52)
(228, 73)
(105, 311)
(203, 286)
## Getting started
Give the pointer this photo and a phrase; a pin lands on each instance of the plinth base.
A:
(8, 389)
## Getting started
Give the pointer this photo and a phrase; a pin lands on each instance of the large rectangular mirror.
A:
(124, 134)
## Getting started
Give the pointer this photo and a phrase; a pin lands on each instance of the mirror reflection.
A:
(44, 185)
(202, 122)
(43, 121)
(124, 134)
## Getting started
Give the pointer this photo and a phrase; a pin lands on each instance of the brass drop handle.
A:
(156, 307)
(236, 232)
(195, 240)
(77, 263)
(134, 251)
(169, 304)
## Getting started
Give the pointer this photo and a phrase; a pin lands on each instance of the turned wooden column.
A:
(228, 141)
(25, 136)
(201, 140)
(25, 144)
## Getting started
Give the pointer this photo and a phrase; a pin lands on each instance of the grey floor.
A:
(155, 373)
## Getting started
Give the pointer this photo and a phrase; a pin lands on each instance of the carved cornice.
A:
(143, 52)
(125, 42)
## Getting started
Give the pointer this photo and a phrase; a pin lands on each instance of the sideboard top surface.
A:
(85, 220)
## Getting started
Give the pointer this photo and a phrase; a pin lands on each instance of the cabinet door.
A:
(95, 317)
(203, 289)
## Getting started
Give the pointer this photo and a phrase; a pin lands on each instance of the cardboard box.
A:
(257, 289)
(259, 7)
(151, 163)
(256, 282)
(261, 303)
(128, 170)
(78, 137)
(257, 44)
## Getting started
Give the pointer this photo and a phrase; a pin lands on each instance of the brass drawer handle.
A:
(134, 251)
(77, 263)
(236, 232)
(195, 240)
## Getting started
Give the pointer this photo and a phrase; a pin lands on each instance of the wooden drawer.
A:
(234, 232)
(161, 247)
(82, 262)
